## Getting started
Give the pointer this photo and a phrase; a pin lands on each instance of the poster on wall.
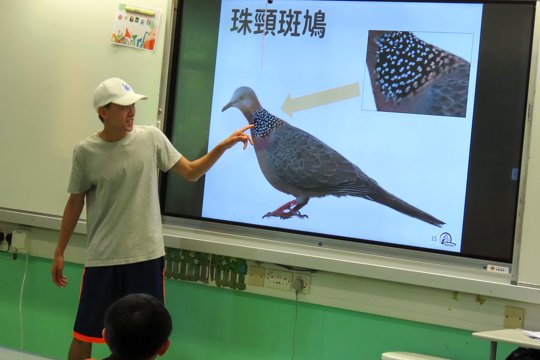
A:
(136, 27)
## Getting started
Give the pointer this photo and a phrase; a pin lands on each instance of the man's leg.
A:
(145, 277)
(97, 293)
(80, 350)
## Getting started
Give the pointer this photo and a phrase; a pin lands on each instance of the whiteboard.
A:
(54, 55)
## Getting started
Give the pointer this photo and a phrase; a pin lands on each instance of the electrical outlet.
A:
(20, 242)
(514, 317)
(277, 279)
(255, 275)
(3, 242)
(306, 282)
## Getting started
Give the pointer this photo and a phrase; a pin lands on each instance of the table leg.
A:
(493, 350)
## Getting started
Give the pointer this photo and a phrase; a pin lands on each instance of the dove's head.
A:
(245, 100)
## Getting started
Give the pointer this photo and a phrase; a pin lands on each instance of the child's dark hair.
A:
(137, 326)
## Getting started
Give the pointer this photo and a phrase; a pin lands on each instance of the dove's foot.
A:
(289, 210)
(285, 214)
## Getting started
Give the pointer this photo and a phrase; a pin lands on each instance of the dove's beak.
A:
(227, 106)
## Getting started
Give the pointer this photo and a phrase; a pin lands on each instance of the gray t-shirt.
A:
(120, 180)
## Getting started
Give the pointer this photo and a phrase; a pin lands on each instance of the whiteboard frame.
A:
(385, 263)
(363, 260)
(427, 270)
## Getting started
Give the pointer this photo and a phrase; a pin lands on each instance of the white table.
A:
(512, 336)
(18, 355)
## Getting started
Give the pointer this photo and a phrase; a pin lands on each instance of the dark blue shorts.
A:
(103, 285)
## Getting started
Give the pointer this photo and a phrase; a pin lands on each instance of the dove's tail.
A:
(392, 201)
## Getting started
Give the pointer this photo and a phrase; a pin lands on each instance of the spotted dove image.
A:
(409, 75)
(297, 163)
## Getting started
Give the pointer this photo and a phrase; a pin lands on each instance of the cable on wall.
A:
(20, 301)
(297, 285)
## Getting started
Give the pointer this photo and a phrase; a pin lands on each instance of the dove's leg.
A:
(289, 209)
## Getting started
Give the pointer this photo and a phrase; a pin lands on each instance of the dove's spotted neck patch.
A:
(264, 123)
(405, 63)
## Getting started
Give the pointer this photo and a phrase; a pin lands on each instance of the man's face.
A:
(118, 118)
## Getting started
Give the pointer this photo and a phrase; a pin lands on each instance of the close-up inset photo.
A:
(409, 74)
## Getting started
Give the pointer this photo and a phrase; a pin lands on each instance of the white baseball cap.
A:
(117, 91)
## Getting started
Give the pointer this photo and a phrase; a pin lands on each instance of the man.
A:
(115, 172)
(137, 327)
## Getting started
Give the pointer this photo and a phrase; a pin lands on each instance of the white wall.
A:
(529, 244)
(54, 54)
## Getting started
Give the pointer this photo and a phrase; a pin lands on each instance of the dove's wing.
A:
(308, 164)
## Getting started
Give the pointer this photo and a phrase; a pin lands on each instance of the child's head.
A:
(137, 327)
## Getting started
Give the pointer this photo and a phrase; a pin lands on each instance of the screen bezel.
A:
(469, 251)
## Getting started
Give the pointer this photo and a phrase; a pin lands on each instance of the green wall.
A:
(216, 323)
